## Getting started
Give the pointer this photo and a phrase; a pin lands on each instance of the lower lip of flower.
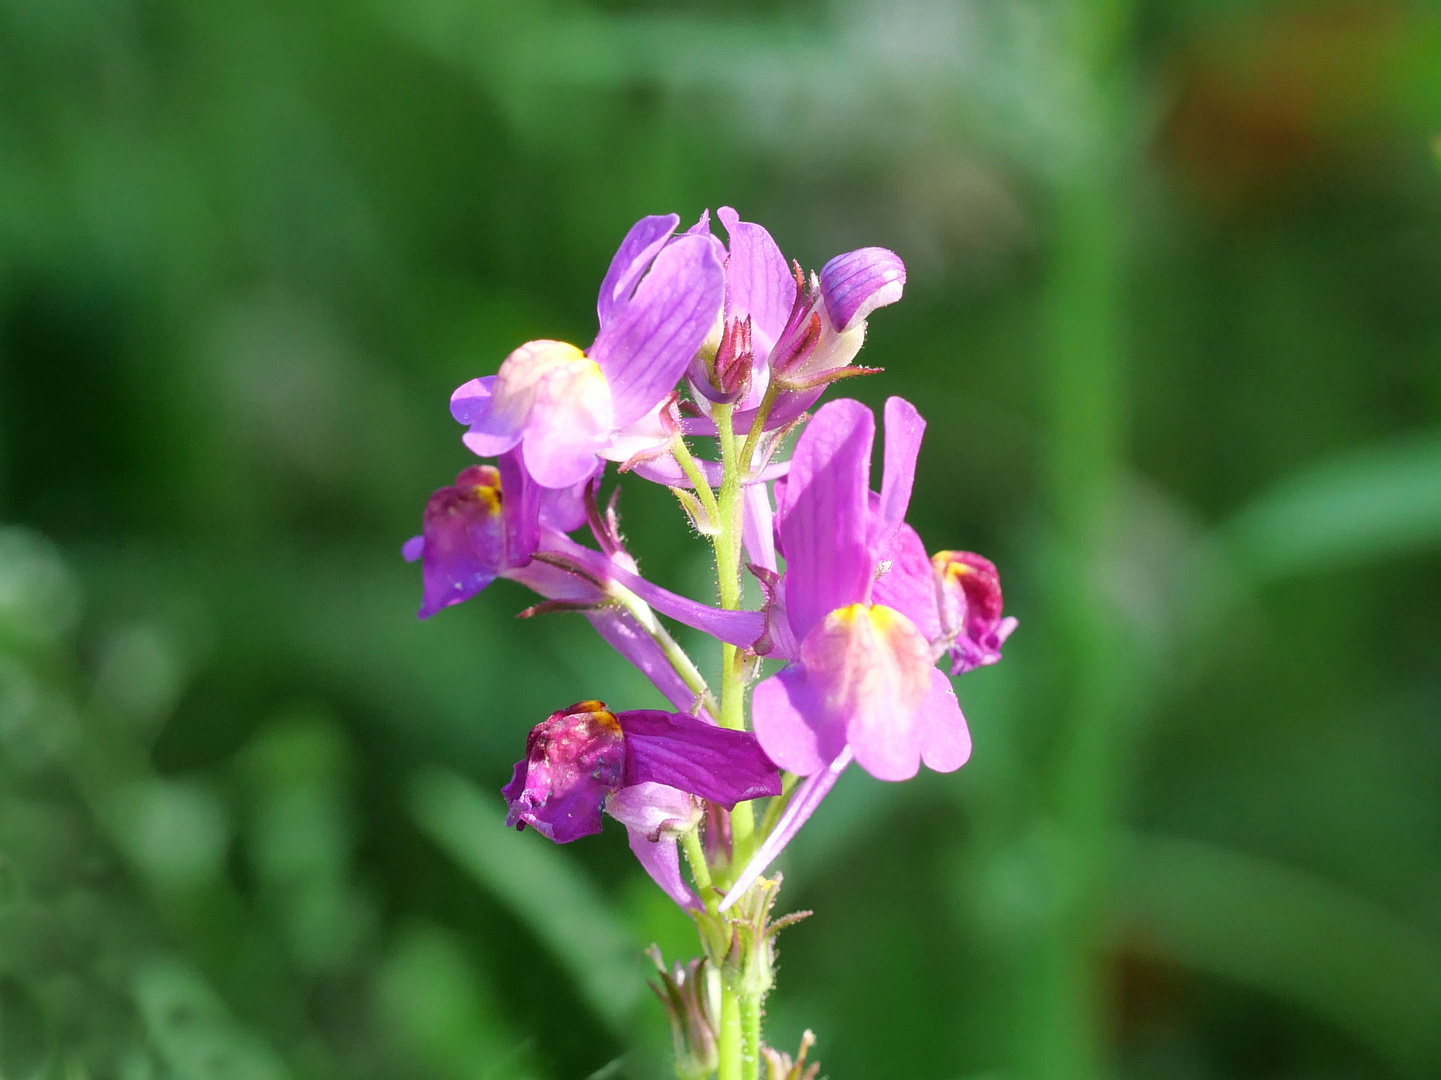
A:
(549, 373)
(869, 656)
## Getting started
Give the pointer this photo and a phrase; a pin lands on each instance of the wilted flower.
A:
(644, 767)
(970, 607)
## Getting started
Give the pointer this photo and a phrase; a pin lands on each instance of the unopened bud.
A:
(686, 991)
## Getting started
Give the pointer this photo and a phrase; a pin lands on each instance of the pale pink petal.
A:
(945, 739)
(662, 862)
(758, 526)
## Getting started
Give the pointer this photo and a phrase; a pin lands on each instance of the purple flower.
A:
(863, 671)
(800, 332)
(645, 767)
(487, 525)
(573, 760)
(564, 408)
(857, 613)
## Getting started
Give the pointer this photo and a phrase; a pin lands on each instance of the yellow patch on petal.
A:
(599, 714)
(487, 492)
(871, 660)
(946, 562)
(549, 372)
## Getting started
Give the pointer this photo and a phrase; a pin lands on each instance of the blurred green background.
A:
(1174, 315)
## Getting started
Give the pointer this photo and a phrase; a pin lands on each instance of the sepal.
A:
(695, 513)
(780, 1066)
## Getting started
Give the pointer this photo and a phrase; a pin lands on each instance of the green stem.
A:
(758, 425)
(729, 1043)
(728, 578)
(678, 658)
(700, 869)
(728, 582)
(750, 1005)
(703, 490)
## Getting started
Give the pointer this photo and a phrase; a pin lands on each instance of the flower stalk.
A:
(725, 341)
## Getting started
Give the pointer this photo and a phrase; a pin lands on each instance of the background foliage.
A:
(1172, 315)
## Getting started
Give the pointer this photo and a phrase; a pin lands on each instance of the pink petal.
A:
(662, 862)
(945, 739)
(782, 715)
(904, 428)
(868, 669)
(471, 398)
(636, 252)
(802, 805)
(909, 586)
(649, 340)
(758, 280)
(823, 517)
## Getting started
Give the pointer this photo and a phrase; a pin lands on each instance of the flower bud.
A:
(970, 592)
(724, 376)
(685, 991)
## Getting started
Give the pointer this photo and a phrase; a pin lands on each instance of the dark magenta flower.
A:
(564, 408)
(578, 756)
(647, 768)
(970, 609)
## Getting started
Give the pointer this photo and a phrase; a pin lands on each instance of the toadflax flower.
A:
(496, 521)
(863, 673)
(487, 525)
(970, 609)
(862, 615)
(646, 768)
(780, 326)
(566, 408)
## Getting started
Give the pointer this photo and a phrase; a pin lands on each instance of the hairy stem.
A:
(729, 1044)
(700, 869)
(678, 658)
(728, 582)
(703, 490)
(758, 425)
(750, 1006)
